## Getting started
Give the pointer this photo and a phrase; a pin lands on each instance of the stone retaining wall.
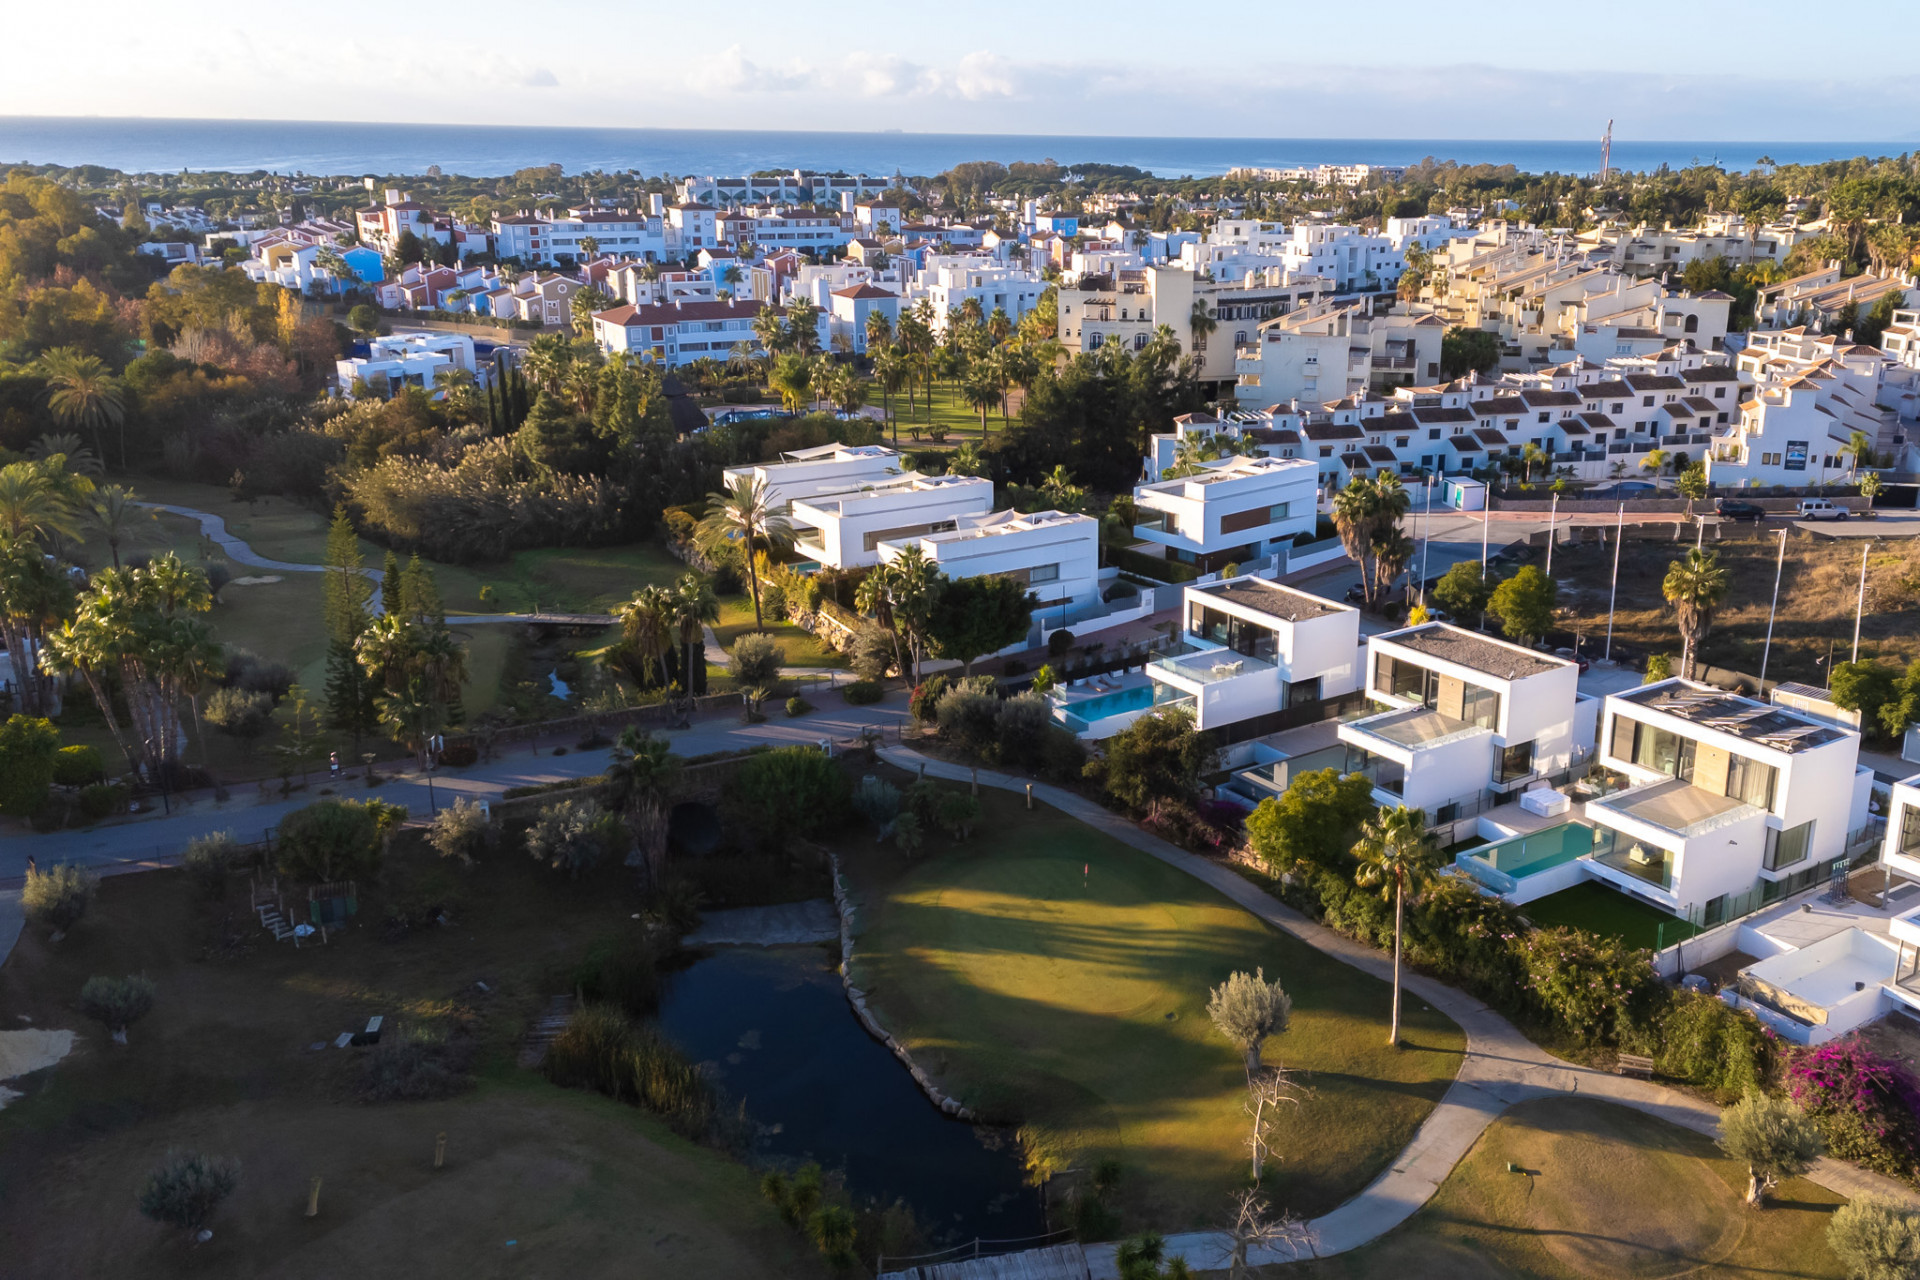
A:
(858, 999)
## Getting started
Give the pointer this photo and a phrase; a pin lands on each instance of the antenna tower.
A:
(1606, 152)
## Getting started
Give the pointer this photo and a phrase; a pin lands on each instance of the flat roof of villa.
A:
(1677, 805)
(1274, 601)
(1760, 723)
(1463, 648)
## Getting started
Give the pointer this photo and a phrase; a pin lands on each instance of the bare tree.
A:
(1256, 1227)
(1268, 1089)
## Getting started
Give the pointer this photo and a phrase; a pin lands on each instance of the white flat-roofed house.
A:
(1234, 510)
(820, 471)
(1253, 648)
(1472, 717)
(845, 531)
(406, 359)
(1728, 796)
(1055, 554)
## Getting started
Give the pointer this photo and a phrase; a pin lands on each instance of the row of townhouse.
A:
(800, 186)
(948, 281)
(1645, 250)
(539, 297)
(538, 238)
(1329, 350)
(1818, 298)
(380, 227)
(309, 257)
(777, 229)
(1808, 394)
(1592, 418)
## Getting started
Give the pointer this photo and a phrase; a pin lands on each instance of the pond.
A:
(773, 1026)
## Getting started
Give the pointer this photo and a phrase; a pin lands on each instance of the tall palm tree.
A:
(879, 330)
(639, 785)
(1858, 448)
(744, 513)
(981, 393)
(646, 632)
(1531, 456)
(81, 460)
(693, 607)
(771, 330)
(1355, 508)
(1398, 856)
(113, 512)
(912, 586)
(40, 500)
(999, 326)
(1201, 323)
(82, 392)
(1694, 586)
(890, 371)
(34, 599)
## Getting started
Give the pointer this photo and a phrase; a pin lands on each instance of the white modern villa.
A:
(1232, 511)
(820, 472)
(1054, 554)
(1472, 720)
(845, 530)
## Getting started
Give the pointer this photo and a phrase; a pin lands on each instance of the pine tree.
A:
(420, 595)
(390, 585)
(350, 694)
(347, 588)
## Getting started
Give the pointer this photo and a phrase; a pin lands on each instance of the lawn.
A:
(797, 648)
(1610, 913)
(1602, 1192)
(1047, 974)
(950, 411)
(538, 1180)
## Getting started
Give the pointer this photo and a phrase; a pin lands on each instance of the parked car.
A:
(1356, 594)
(1821, 509)
(1734, 509)
(1576, 659)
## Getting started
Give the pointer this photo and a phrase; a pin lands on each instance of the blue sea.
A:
(145, 145)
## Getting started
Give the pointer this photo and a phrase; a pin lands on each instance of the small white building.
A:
(1252, 649)
(677, 333)
(845, 531)
(1234, 510)
(1473, 718)
(406, 359)
(821, 471)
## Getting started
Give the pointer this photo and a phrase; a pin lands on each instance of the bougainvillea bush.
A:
(1868, 1105)
(1598, 989)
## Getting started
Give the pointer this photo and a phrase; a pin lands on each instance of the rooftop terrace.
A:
(1757, 722)
(1480, 653)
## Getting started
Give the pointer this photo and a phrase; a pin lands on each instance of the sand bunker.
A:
(257, 581)
(25, 1051)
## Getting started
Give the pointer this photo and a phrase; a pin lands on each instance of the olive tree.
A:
(1247, 1009)
(1876, 1239)
(1771, 1136)
(59, 896)
(186, 1188)
(117, 1003)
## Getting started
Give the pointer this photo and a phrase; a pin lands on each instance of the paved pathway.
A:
(1501, 1066)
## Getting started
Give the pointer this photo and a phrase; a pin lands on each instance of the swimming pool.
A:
(1518, 857)
(1082, 714)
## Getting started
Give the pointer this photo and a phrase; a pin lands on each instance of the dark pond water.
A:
(775, 1026)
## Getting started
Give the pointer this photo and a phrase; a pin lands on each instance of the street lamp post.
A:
(1860, 605)
(1613, 589)
(1553, 516)
(1766, 650)
(1426, 539)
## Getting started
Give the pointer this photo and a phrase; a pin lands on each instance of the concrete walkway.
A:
(1500, 1067)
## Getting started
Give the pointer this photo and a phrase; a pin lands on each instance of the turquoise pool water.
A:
(1537, 851)
(1078, 715)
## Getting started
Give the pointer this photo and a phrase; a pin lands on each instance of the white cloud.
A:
(730, 71)
(985, 75)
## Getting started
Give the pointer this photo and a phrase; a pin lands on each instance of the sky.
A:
(1206, 68)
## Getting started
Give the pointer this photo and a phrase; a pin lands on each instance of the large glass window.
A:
(1909, 828)
(1515, 761)
(1785, 848)
(1661, 750)
(1481, 708)
(1403, 679)
(1750, 781)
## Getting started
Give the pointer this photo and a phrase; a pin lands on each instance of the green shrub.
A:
(600, 1049)
(862, 693)
(242, 713)
(1705, 1043)
(1595, 989)
(103, 799)
(1063, 757)
(622, 971)
(925, 697)
(1044, 679)
(1020, 726)
(957, 812)
(968, 714)
(78, 765)
(798, 706)
(793, 791)
(575, 836)
(186, 1188)
(876, 800)
(1059, 643)
(58, 896)
(410, 1064)
(117, 1003)
(28, 747)
(334, 839)
(209, 858)
(460, 830)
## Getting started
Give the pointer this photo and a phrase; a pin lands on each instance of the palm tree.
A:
(646, 633)
(1858, 448)
(890, 371)
(38, 500)
(639, 784)
(791, 376)
(913, 587)
(81, 460)
(34, 599)
(1694, 586)
(740, 359)
(981, 394)
(113, 512)
(1655, 460)
(692, 608)
(1355, 508)
(82, 392)
(745, 513)
(1201, 323)
(1530, 457)
(999, 326)
(879, 330)
(1398, 855)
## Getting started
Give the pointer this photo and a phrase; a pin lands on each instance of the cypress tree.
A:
(390, 585)
(350, 694)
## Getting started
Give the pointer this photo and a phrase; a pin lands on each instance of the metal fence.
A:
(976, 1248)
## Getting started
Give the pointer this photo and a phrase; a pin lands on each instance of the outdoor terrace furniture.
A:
(1545, 802)
(1632, 1064)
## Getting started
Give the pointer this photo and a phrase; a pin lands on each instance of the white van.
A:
(1821, 509)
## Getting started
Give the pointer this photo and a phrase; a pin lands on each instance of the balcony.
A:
(1209, 666)
(1674, 806)
(1417, 729)
(1393, 362)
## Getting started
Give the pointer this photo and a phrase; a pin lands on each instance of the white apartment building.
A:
(948, 280)
(1727, 796)
(1348, 256)
(1252, 649)
(629, 282)
(541, 239)
(406, 360)
(1130, 306)
(1471, 718)
(677, 333)
(1817, 298)
(1645, 250)
(1809, 394)
(1234, 510)
(801, 186)
(818, 472)
(771, 230)
(844, 531)
(691, 228)
(1055, 555)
